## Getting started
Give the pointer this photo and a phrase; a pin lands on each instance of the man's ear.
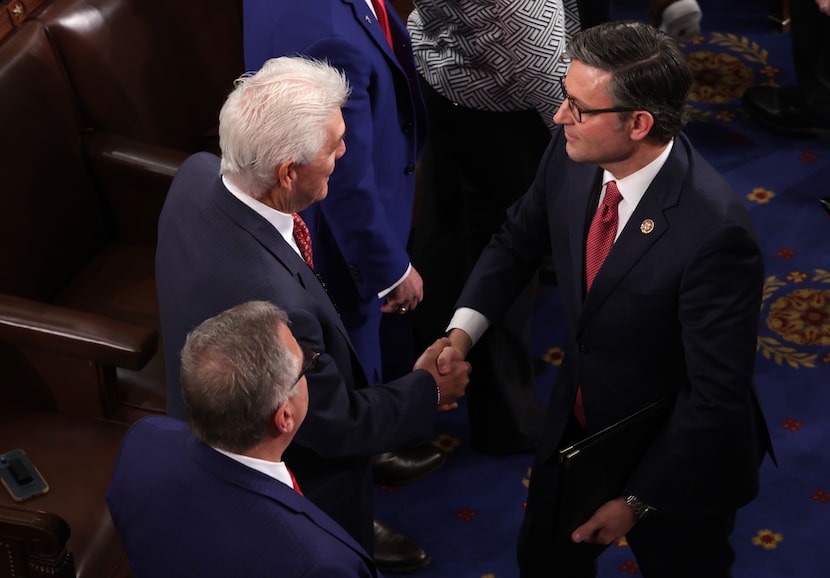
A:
(642, 121)
(284, 419)
(286, 174)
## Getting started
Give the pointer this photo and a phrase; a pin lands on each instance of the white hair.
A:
(278, 114)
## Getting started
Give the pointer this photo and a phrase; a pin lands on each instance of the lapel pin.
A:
(368, 20)
(647, 226)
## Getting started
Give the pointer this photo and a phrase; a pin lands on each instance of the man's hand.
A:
(406, 296)
(610, 522)
(453, 381)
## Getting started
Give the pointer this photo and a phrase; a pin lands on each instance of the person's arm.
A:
(347, 419)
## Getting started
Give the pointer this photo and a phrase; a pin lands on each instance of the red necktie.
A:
(383, 19)
(303, 238)
(602, 233)
(600, 240)
(294, 482)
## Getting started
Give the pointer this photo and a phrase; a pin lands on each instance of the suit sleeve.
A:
(345, 420)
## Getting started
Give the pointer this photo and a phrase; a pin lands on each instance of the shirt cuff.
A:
(471, 321)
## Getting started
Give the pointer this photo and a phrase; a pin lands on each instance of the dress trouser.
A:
(475, 165)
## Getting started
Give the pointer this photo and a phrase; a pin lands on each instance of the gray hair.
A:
(648, 70)
(235, 373)
(278, 114)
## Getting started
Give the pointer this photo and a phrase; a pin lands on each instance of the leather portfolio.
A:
(595, 469)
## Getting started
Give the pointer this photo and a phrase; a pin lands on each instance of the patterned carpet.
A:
(467, 515)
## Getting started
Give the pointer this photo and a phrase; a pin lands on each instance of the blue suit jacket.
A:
(184, 509)
(673, 312)
(360, 231)
(214, 252)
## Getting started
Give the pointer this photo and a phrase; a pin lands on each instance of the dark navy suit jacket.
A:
(360, 231)
(184, 509)
(215, 252)
(673, 312)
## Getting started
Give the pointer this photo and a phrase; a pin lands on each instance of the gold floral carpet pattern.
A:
(467, 515)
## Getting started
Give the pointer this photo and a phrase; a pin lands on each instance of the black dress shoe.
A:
(825, 202)
(785, 111)
(395, 553)
(406, 465)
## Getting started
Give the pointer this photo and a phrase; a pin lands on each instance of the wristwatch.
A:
(641, 509)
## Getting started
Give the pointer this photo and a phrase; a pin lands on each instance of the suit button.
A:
(410, 169)
(407, 127)
(583, 348)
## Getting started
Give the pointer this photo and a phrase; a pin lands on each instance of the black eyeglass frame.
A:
(577, 111)
(310, 358)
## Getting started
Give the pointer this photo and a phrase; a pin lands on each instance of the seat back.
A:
(53, 221)
(152, 70)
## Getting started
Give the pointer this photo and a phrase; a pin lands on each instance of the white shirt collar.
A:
(282, 222)
(634, 186)
(276, 470)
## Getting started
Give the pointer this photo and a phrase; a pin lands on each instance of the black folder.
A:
(595, 469)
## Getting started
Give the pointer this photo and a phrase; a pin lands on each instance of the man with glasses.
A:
(213, 497)
(229, 233)
(660, 276)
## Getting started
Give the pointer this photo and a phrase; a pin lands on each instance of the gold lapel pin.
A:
(647, 226)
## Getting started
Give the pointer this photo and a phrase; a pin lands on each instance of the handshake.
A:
(444, 360)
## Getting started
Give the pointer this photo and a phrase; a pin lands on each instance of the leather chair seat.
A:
(76, 457)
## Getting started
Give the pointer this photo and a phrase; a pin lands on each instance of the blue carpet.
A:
(467, 515)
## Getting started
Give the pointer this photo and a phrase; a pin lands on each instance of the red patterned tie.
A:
(602, 233)
(600, 240)
(383, 19)
(294, 482)
(303, 238)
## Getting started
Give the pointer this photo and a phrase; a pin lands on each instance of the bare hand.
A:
(823, 6)
(406, 296)
(453, 383)
(610, 522)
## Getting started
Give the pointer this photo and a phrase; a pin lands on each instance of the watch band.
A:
(640, 508)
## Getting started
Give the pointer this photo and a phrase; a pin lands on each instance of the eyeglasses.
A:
(578, 111)
(310, 358)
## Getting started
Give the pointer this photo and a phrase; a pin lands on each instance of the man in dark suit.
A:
(671, 313)
(361, 230)
(229, 233)
(214, 498)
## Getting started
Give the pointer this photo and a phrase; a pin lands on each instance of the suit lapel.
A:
(364, 15)
(272, 241)
(586, 178)
(646, 226)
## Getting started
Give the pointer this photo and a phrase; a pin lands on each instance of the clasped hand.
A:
(447, 366)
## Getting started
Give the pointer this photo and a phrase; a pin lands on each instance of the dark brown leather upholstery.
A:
(100, 102)
(110, 96)
(76, 300)
(76, 457)
(154, 71)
